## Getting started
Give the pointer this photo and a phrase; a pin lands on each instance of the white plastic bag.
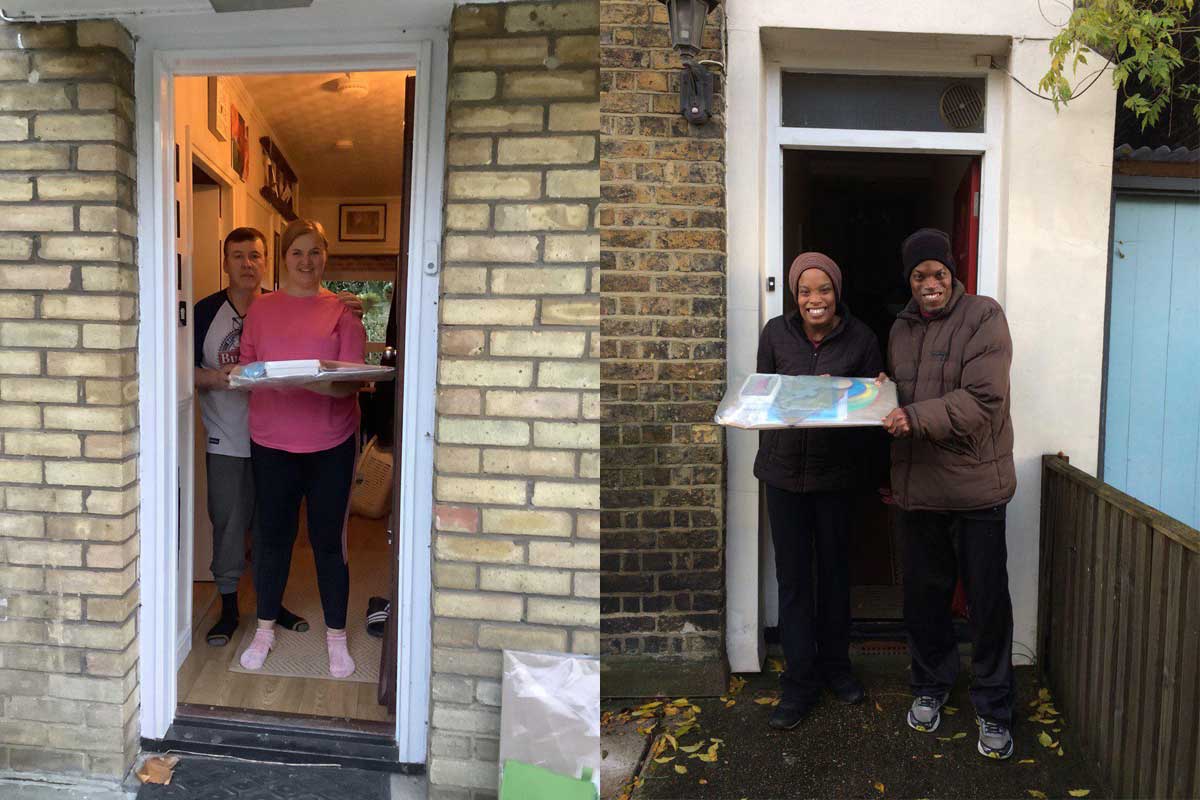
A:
(550, 712)
(764, 401)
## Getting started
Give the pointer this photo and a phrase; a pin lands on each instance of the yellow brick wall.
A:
(516, 541)
(68, 400)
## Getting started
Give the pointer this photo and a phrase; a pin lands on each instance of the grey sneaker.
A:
(926, 713)
(995, 741)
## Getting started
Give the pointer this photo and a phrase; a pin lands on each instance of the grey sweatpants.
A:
(231, 509)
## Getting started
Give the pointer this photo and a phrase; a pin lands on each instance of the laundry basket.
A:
(371, 494)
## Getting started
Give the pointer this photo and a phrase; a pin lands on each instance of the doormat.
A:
(199, 778)
(303, 655)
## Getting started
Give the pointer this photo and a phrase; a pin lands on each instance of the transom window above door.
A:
(883, 102)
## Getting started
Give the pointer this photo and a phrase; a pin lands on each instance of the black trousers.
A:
(814, 607)
(938, 548)
(323, 480)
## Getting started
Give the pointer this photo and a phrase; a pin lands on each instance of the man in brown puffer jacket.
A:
(952, 476)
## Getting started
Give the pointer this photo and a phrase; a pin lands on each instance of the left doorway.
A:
(234, 163)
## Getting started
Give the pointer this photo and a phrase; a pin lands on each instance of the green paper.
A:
(527, 782)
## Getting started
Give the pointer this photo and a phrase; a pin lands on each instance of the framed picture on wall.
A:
(362, 222)
(218, 108)
(239, 143)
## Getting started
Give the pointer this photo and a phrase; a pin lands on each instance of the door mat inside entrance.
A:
(303, 655)
(199, 778)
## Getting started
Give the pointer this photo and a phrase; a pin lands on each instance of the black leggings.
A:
(281, 480)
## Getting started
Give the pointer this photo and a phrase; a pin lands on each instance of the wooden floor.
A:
(205, 680)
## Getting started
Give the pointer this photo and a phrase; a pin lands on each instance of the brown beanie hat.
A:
(819, 261)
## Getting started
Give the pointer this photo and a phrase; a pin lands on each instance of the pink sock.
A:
(256, 653)
(340, 662)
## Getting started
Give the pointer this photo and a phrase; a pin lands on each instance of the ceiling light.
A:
(351, 86)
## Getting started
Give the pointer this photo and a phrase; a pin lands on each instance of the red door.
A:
(966, 224)
(966, 256)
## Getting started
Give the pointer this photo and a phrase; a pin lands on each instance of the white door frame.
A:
(746, 560)
(188, 54)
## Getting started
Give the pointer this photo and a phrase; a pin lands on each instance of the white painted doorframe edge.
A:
(744, 651)
(158, 523)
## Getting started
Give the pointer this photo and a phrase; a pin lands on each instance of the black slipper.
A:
(287, 619)
(378, 609)
(218, 635)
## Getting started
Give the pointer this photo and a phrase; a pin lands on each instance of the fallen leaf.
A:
(664, 759)
(1034, 703)
(683, 701)
(1060, 752)
(1079, 792)
(1055, 730)
(938, 755)
(1026, 761)
(718, 741)
(879, 787)
(775, 664)
(680, 768)
(671, 739)
(1044, 739)
(731, 704)
(878, 707)
(691, 748)
(158, 769)
(703, 781)
(1037, 794)
(959, 735)
(1044, 695)
(943, 738)
(951, 710)
(696, 709)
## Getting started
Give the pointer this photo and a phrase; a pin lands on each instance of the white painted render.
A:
(1043, 237)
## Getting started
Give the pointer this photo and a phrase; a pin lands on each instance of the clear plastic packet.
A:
(764, 401)
(550, 712)
(299, 372)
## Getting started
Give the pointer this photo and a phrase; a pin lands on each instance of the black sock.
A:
(219, 634)
(287, 619)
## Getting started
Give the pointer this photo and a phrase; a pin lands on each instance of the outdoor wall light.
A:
(687, 18)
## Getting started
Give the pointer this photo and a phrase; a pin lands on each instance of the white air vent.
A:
(961, 106)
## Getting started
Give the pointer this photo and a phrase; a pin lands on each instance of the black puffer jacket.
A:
(820, 459)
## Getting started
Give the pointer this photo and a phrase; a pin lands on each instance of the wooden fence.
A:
(1119, 632)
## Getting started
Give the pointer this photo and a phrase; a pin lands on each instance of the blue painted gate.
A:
(1152, 410)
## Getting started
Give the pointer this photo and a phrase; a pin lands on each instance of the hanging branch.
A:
(1146, 41)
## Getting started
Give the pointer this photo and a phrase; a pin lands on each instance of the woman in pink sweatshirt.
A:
(303, 440)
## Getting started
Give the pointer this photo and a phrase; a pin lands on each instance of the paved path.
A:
(864, 751)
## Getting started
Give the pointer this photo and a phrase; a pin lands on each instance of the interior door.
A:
(966, 224)
(185, 388)
(206, 208)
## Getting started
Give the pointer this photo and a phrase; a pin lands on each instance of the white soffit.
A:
(411, 13)
(856, 51)
(85, 9)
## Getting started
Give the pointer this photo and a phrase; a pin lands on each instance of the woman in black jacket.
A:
(809, 476)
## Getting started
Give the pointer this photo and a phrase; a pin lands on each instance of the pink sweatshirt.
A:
(281, 327)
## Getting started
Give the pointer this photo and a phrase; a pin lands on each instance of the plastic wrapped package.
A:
(304, 371)
(550, 712)
(763, 401)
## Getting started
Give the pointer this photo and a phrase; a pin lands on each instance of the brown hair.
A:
(297, 228)
(243, 235)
